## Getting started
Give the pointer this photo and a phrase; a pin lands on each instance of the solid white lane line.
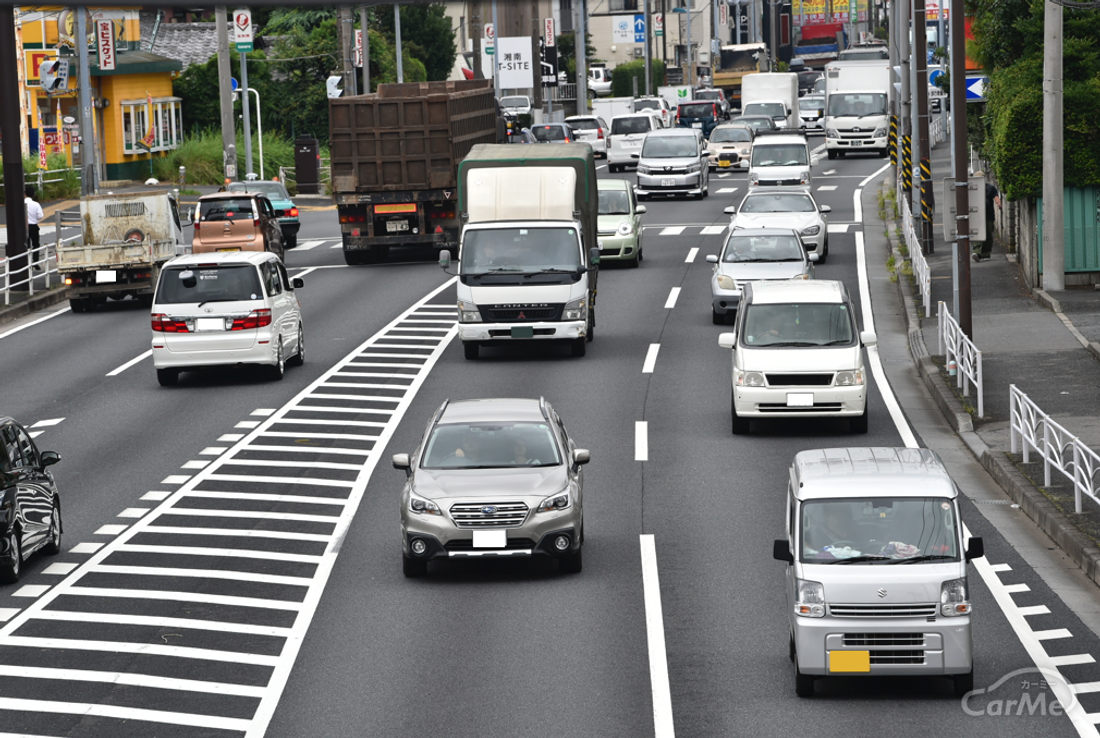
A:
(130, 680)
(233, 533)
(130, 363)
(159, 622)
(34, 322)
(47, 423)
(261, 496)
(655, 640)
(641, 440)
(247, 514)
(692, 253)
(672, 296)
(167, 596)
(329, 423)
(650, 358)
(672, 231)
(310, 449)
(260, 479)
(110, 530)
(1000, 567)
(84, 709)
(292, 464)
(1048, 635)
(713, 230)
(234, 553)
(314, 434)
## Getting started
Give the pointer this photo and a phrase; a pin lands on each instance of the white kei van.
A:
(876, 576)
(780, 159)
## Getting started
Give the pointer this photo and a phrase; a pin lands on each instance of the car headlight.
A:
(849, 379)
(809, 599)
(804, 275)
(754, 178)
(805, 177)
(879, 133)
(625, 229)
(692, 168)
(953, 599)
(832, 133)
(559, 501)
(726, 282)
(748, 379)
(811, 231)
(468, 312)
(420, 506)
(643, 170)
(575, 309)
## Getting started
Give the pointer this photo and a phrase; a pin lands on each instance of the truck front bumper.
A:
(561, 330)
(856, 144)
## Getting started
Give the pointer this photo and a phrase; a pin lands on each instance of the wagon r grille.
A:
(801, 380)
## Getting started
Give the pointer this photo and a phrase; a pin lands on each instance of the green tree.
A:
(426, 35)
(567, 53)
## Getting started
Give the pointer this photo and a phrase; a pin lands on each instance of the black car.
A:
(32, 508)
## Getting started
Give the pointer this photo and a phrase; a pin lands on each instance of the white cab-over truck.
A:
(774, 94)
(857, 113)
(528, 256)
(125, 240)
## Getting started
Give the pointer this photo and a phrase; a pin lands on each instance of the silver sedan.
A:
(786, 207)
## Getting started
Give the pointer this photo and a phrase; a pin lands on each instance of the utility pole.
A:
(581, 52)
(397, 39)
(14, 209)
(691, 58)
(905, 106)
(344, 35)
(892, 45)
(773, 28)
(536, 45)
(364, 19)
(475, 38)
(648, 50)
(962, 183)
(920, 55)
(1054, 239)
(496, 53)
(247, 115)
(89, 173)
(225, 93)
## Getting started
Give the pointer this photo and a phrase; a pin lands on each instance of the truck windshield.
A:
(208, 283)
(779, 155)
(858, 104)
(520, 251)
(872, 530)
(772, 110)
(798, 324)
(491, 446)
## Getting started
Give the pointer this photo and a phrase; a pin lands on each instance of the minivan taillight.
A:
(163, 324)
(255, 319)
(600, 133)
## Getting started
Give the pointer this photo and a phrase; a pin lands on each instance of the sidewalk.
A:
(1053, 357)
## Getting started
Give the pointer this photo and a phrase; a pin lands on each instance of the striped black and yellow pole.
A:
(906, 164)
(927, 206)
(893, 140)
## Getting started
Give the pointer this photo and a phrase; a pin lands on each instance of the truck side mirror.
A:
(975, 548)
(297, 283)
(445, 259)
(781, 550)
(594, 256)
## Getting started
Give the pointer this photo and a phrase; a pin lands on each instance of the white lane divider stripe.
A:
(131, 680)
(655, 640)
(641, 440)
(130, 363)
(838, 227)
(726, 190)
(1049, 635)
(1000, 567)
(713, 230)
(672, 230)
(34, 322)
(692, 253)
(672, 297)
(826, 188)
(47, 423)
(650, 358)
(308, 245)
(84, 709)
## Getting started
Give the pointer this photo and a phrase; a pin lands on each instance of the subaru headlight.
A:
(576, 309)
(849, 379)
(879, 133)
(726, 282)
(811, 231)
(420, 506)
(468, 312)
(805, 177)
(748, 379)
(809, 599)
(953, 598)
(559, 501)
(625, 229)
(832, 133)
(643, 169)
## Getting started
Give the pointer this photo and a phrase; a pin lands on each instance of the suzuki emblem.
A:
(882, 593)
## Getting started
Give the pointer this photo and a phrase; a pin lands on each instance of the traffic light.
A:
(53, 75)
(333, 85)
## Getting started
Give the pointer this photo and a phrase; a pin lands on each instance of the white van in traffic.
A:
(780, 159)
(876, 576)
(625, 139)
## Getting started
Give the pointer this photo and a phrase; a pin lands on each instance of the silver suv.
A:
(493, 478)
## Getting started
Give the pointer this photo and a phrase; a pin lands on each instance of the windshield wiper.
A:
(926, 557)
(837, 341)
(752, 261)
(792, 258)
(855, 559)
(789, 343)
(868, 115)
(550, 270)
(502, 269)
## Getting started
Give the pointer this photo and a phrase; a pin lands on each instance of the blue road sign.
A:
(233, 81)
(934, 75)
(639, 28)
(975, 88)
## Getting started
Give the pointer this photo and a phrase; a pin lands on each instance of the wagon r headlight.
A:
(625, 229)
(557, 502)
(575, 309)
(849, 379)
(748, 379)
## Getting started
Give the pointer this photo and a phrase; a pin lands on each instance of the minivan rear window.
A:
(621, 126)
(549, 133)
(226, 209)
(212, 283)
(583, 124)
(700, 110)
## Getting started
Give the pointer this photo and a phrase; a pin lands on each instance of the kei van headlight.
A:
(849, 379)
(879, 133)
(556, 502)
(748, 379)
(809, 599)
(726, 282)
(420, 506)
(832, 133)
(804, 176)
(953, 598)
(468, 312)
(811, 231)
(575, 309)
(625, 229)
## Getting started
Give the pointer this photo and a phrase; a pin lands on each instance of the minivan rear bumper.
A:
(911, 646)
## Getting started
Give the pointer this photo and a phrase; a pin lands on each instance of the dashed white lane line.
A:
(672, 230)
(1033, 610)
(838, 228)
(213, 451)
(7, 613)
(714, 230)
(133, 512)
(655, 640)
(247, 424)
(722, 176)
(85, 548)
(1050, 635)
(1000, 567)
(650, 358)
(1014, 588)
(263, 412)
(727, 190)
(47, 423)
(110, 530)
(196, 464)
(155, 495)
(308, 245)
(230, 437)
(641, 440)
(31, 590)
(1074, 659)
(130, 363)
(826, 188)
(692, 253)
(34, 322)
(175, 479)
(672, 296)
(59, 568)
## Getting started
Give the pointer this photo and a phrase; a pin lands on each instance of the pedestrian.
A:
(34, 217)
(984, 250)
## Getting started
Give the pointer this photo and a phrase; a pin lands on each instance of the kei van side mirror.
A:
(781, 550)
(401, 461)
(445, 259)
(868, 338)
(975, 548)
(297, 283)
(49, 458)
(813, 256)
(727, 340)
(581, 456)
(594, 256)
(640, 210)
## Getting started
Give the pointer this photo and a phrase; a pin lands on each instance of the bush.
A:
(623, 76)
(202, 155)
(67, 188)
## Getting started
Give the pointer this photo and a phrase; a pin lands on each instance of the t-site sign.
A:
(242, 29)
(105, 44)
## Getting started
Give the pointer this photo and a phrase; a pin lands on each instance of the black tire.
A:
(841, 154)
(299, 358)
(77, 304)
(641, 254)
(717, 318)
(168, 377)
(352, 258)
(53, 543)
(883, 153)
(579, 346)
(963, 683)
(790, 647)
(633, 263)
(12, 564)
(413, 568)
(571, 564)
(145, 300)
(832, 153)
(590, 329)
(739, 425)
(859, 424)
(824, 255)
(290, 241)
(277, 371)
(613, 168)
(706, 190)
(470, 349)
(803, 683)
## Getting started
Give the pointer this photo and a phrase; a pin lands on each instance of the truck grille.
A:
(883, 611)
(123, 209)
(474, 515)
(512, 313)
(800, 380)
(884, 639)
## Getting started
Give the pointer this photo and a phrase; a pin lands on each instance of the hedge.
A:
(622, 77)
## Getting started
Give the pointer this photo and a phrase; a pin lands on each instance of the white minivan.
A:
(780, 160)
(625, 139)
(876, 578)
(223, 309)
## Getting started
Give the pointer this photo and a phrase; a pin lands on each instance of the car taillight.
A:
(255, 319)
(294, 212)
(196, 225)
(255, 222)
(163, 324)
(567, 139)
(600, 135)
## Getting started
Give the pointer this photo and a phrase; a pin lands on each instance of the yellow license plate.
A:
(849, 661)
(231, 248)
(723, 163)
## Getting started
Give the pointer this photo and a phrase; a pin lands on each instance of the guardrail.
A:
(921, 271)
(957, 348)
(1059, 448)
(45, 266)
(38, 178)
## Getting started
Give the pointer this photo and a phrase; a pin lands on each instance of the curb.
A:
(34, 304)
(1055, 306)
(1075, 544)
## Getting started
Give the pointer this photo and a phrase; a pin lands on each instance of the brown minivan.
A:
(237, 221)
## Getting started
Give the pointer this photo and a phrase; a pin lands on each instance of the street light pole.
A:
(1054, 243)
(363, 10)
(247, 117)
(259, 129)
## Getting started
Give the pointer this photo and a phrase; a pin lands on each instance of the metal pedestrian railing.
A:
(287, 174)
(44, 268)
(961, 355)
(40, 178)
(1059, 448)
(921, 271)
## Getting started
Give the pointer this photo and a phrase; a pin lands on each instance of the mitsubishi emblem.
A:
(521, 316)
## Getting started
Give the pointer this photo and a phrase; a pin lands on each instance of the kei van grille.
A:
(894, 657)
(879, 640)
(799, 380)
(504, 515)
(883, 611)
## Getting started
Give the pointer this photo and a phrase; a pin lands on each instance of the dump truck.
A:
(125, 240)
(395, 156)
(735, 62)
